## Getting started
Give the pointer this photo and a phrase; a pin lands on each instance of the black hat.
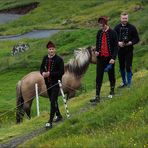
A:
(103, 20)
(50, 44)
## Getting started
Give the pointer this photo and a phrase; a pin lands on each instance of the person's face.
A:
(124, 19)
(102, 26)
(51, 51)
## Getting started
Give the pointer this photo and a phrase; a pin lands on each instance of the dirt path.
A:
(19, 140)
(23, 138)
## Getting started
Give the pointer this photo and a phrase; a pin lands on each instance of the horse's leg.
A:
(19, 114)
(27, 108)
(19, 104)
(71, 94)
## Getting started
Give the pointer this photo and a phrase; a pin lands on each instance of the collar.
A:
(124, 25)
(106, 29)
(50, 57)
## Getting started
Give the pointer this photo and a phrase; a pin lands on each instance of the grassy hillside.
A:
(120, 122)
(69, 14)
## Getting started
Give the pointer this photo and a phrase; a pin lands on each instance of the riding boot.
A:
(129, 78)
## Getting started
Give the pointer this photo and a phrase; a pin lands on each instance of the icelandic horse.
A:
(71, 81)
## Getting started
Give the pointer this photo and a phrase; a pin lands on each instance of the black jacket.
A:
(112, 42)
(130, 32)
(56, 70)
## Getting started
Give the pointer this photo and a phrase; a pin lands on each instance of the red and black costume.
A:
(107, 46)
(55, 66)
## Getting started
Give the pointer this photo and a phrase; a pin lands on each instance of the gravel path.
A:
(23, 138)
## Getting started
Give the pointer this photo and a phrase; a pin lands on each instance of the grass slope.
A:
(73, 14)
(118, 122)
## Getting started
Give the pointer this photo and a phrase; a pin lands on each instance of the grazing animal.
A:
(71, 80)
(19, 48)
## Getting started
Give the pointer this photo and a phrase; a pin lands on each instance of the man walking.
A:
(52, 69)
(106, 51)
(127, 37)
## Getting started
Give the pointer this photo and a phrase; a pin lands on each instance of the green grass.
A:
(78, 14)
(120, 122)
(116, 123)
(14, 68)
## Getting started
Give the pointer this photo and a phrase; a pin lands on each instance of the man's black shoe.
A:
(95, 100)
(48, 125)
(112, 92)
(58, 118)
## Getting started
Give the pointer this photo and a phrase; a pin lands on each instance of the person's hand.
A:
(121, 44)
(128, 44)
(97, 53)
(112, 61)
(45, 74)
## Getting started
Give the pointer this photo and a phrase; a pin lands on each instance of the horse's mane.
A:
(79, 64)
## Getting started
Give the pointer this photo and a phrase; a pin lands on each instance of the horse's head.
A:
(92, 50)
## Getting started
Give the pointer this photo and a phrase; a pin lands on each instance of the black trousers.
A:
(102, 62)
(53, 96)
(125, 56)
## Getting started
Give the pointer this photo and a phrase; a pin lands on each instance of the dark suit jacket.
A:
(56, 70)
(132, 34)
(112, 42)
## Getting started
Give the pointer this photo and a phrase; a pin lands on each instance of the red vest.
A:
(49, 64)
(104, 46)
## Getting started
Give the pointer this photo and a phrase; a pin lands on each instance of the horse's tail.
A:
(19, 103)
